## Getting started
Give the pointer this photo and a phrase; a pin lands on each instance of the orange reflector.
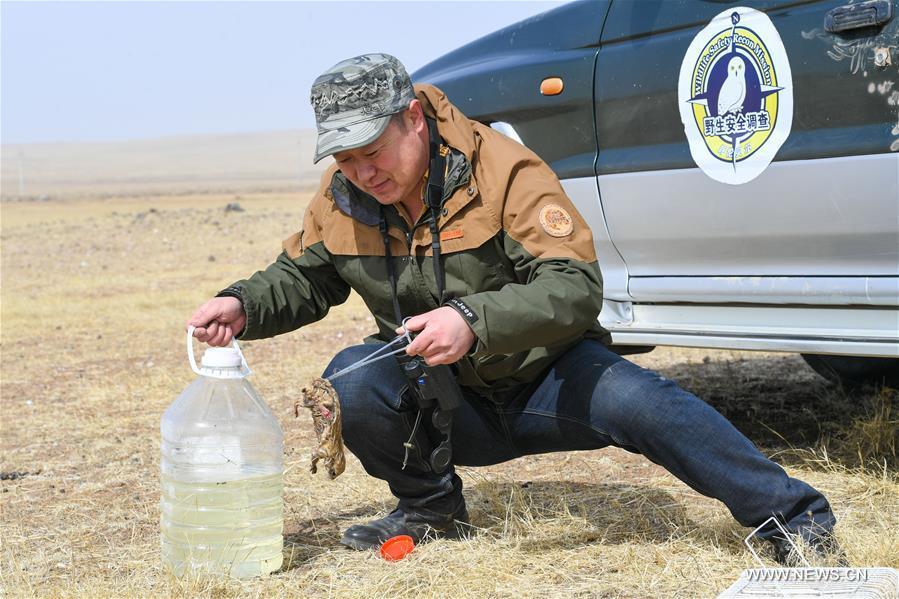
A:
(551, 86)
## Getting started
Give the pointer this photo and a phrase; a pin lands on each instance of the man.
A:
(511, 302)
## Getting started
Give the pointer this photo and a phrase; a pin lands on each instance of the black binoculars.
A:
(434, 387)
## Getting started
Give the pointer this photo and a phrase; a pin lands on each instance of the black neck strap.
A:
(434, 199)
(391, 267)
(434, 196)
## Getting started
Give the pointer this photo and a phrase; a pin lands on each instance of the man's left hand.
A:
(443, 336)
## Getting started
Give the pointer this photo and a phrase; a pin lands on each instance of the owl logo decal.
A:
(735, 95)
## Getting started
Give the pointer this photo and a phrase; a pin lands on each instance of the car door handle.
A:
(853, 16)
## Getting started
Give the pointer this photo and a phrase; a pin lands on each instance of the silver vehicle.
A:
(737, 162)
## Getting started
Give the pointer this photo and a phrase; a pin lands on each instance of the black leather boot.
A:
(823, 545)
(371, 534)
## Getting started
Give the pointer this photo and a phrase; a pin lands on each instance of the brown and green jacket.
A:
(518, 258)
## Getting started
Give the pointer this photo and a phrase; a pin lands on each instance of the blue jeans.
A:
(590, 398)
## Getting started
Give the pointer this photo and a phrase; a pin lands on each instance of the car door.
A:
(819, 224)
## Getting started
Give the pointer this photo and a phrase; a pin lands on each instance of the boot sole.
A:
(356, 544)
(453, 533)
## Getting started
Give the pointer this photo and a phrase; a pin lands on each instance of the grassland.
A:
(177, 165)
(94, 296)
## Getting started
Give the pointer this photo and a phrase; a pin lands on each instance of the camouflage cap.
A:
(354, 99)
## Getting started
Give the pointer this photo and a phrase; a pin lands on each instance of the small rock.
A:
(211, 258)
(233, 207)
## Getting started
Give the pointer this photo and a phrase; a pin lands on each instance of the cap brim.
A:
(349, 137)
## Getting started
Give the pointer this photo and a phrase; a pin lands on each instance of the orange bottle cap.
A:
(396, 548)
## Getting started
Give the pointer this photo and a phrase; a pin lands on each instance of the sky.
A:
(102, 71)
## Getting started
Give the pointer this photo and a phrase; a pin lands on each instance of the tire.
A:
(854, 371)
(630, 350)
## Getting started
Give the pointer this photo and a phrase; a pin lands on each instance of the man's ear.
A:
(415, 117)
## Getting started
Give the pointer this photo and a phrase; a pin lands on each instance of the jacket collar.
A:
(354, 202)
(455, 128)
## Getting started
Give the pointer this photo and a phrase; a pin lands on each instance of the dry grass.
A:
(94, 294)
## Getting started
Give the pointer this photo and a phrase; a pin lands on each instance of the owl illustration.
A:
(733, 90)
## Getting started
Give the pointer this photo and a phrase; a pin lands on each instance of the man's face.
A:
(391, 168)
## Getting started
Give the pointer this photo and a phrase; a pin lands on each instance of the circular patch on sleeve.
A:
(556, 221)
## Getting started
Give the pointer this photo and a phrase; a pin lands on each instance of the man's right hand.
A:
(218, 321)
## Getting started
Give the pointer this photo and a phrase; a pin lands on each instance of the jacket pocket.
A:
(476, 270)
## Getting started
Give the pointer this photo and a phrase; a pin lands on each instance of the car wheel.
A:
(852, 371)
(630, 350)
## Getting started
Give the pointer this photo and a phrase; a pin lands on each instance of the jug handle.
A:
(245, 368)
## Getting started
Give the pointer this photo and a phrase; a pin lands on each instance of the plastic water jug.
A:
(221, 508)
